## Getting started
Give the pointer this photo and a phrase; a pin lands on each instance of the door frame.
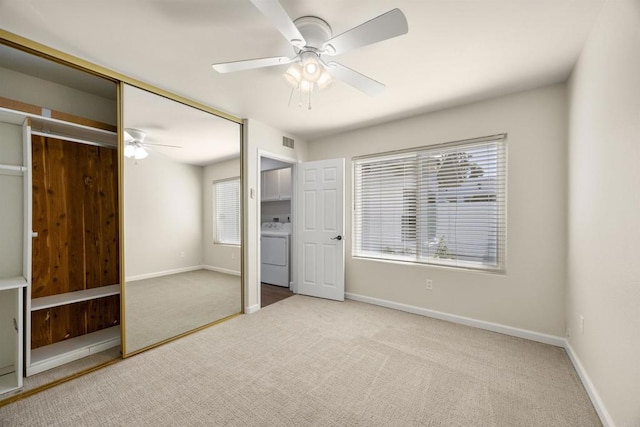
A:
(292, 240)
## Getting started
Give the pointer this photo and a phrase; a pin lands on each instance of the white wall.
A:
(280, 209)
(224, 258)
(43, 93)
(258, 136)
(12, 206)
(163, 216)
(604, 210)
(531, 295)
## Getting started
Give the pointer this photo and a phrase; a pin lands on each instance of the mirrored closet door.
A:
(181, 219)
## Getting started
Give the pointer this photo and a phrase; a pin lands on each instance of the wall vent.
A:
(287, 142)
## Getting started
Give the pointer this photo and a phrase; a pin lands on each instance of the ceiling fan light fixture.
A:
(325, 81)
(306, 86)
(311, 68)
(140, 153)
(129, 151)
(298, 75)
(293, 75)
(135, 151)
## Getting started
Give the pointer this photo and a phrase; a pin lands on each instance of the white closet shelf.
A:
(71, 297)
(66, 351)
(12, 283)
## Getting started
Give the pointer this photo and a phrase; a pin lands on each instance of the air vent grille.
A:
(287, 142)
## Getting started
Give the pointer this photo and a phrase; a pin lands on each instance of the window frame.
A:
(418, 255)
(216, 239)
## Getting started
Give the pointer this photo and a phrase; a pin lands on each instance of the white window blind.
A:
(227, 211)
(442, 204)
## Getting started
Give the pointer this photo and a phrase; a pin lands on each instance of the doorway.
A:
(276, 217)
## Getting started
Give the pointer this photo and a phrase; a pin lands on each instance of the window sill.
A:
(231, 245)
(407, 263)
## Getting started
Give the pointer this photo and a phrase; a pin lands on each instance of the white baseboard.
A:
(605, 418)
(163, 273)
(251, 309)
(481, 324)
(221, 270)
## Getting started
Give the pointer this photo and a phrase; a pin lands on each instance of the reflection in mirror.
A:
(181, 218)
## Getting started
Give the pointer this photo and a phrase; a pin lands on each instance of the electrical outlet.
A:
(582, 323)
(429, 285)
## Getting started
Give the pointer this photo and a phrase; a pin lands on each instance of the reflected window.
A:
(226, 195)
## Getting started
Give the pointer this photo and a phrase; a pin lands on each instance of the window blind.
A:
(443, 204)
(227, 211)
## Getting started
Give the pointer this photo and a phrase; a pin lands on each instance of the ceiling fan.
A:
(314, 46)
(135, 147)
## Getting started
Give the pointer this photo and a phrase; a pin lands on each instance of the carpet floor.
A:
(306, 361)
(166, 306)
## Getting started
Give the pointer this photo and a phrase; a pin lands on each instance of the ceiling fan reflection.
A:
(135, 147)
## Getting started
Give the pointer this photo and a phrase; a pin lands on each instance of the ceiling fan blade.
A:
(359, 81)
(274, 11)
(385, 26)
(151, 145)
(250, 64)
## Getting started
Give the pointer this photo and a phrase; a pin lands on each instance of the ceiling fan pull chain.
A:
(300, 97)
(291, 96)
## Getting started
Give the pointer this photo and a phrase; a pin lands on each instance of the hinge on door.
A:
(34, 234)
(15, 325)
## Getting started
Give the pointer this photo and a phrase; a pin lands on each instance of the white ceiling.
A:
(456, 51)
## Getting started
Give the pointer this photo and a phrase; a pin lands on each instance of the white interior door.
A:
(320, 228)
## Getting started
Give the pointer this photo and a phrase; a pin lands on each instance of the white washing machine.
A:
(275, 253)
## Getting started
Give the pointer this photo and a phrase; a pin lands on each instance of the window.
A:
(441, 204)
(227, 211)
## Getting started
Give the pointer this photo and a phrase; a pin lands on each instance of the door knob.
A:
(338, 237)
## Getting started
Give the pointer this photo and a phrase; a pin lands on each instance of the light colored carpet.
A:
(306, 361)
(166, 306)
(63, 371)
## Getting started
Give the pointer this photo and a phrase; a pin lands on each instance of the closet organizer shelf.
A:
(72, 297)
(13, 283)
(53, 355)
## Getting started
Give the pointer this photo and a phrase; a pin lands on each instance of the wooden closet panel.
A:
(101, 217)
(58, 250)
(68, 321)
(73, 172)
(103, 313)
(56, 324)
(40, 328)
(75, 205)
